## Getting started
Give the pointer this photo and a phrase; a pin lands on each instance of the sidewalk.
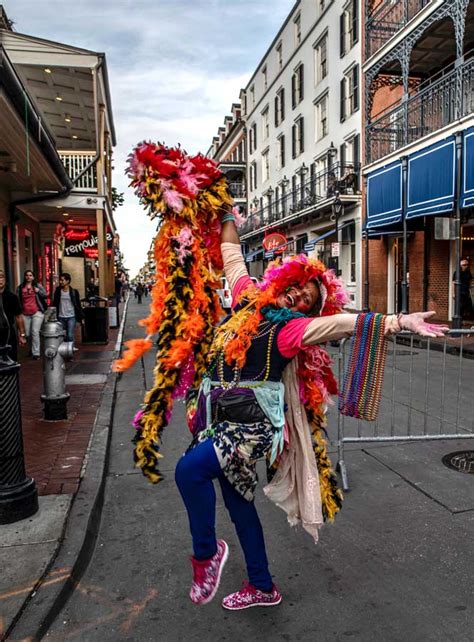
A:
(56, 455)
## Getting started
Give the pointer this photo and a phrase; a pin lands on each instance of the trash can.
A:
(114, 316)
(95, 328)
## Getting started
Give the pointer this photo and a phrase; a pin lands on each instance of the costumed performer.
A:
(264, 395)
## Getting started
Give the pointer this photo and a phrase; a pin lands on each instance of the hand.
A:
(36, 290)
(416, 323)
(22, 339)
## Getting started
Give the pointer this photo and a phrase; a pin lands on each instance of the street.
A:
(396, 565)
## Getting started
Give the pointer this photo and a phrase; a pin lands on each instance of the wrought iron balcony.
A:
(238, 189)
(342, 178)
(386, 18)
(75, 163)
(436, 105)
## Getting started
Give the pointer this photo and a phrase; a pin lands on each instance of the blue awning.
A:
(467, 184)
(308, 247)
(384, 196)
(432, 179)
(252, 255)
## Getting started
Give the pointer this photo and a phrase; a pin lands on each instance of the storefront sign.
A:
(275, 242)
(83, 243)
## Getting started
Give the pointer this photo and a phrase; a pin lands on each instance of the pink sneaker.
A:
(207, 575)
(249, 596)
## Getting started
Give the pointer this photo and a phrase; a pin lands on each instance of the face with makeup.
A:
(300, 298)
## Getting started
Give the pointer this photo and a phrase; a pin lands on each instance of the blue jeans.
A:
(194, 475)
(68, 323)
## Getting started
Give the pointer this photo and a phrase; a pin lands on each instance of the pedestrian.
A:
(246, 420)
(139, 292)
(12, 327)
(466, 280)
(67, 302)
(32, 297)
(118, 289)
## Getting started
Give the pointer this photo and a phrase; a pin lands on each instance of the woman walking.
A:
(32, 296)
(67, 302)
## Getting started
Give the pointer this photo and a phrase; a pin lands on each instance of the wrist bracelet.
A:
(228, 216)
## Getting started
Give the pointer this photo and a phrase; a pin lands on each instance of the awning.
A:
(311, 244)
(384, 196)
(431, 179)
(467, 185)
(252, 255)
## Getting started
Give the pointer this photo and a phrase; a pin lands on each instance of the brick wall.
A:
(377, 275)
(415, 267)
(439, 277)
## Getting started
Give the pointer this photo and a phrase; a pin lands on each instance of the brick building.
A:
(418, 152)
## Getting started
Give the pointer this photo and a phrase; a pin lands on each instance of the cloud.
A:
(175, 68)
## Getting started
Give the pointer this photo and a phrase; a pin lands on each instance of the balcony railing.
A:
(75, 163)
(342, 178)
(434, 107)
(238, 190)
(386, 19)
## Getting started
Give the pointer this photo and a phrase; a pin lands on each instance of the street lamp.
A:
(337, 210)
(284, 184)
(332, 153)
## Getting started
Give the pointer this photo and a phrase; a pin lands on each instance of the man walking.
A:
(466, 280)
(11, 319)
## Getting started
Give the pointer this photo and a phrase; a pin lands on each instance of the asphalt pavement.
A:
(396, 565)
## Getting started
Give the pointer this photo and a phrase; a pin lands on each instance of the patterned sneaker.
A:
(207, 574)
(249, 596)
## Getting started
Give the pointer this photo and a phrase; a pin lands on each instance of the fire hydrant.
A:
(56, 353)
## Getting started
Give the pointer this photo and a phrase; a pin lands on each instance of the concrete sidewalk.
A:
(57, 454)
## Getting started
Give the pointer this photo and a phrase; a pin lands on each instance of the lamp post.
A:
(303, 171)
(332, 154)
(337, 210)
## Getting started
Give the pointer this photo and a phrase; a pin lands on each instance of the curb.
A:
(81, 528)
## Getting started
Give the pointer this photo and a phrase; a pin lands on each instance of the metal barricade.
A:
(427, 394)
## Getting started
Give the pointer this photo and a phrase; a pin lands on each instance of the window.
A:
(297, 86)
(265, 78)
(281, 152)
(253, 138)
(279, 52)
(322, 117)
(265, 124)
(301, 242)
(349, 93)
(253, 176)
(349, 27)
(320, 60)
(252, 96)
(265, 165)
(279, 107)
(321, 167)
(297, 28)
(297, 139)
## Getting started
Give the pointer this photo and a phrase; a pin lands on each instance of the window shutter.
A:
(282, 143)
(301, 72)
(293, 91)
(355, 21)
(255, 137)
(355, 82)
(293, 141)
(276, 110)
(301, 124)
(282, 105)
(342, 157)
(356, 150)
(343, 100)
(342, 49)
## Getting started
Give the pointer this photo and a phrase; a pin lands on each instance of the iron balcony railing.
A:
(342, 178)
(386, 18)
(238, 189)
(434, 107)
(75, 163)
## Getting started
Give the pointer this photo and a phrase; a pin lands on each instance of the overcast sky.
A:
(175, 68)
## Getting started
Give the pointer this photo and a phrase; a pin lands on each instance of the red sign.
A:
(275, 242)
(48, 269)
(76, 235)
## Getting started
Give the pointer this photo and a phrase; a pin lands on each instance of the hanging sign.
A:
(275, 242)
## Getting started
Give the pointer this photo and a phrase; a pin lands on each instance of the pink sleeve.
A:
(290, 338)
(241, 284)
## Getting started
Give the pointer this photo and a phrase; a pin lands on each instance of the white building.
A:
(303, 120)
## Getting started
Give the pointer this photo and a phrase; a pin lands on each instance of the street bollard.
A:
(18, 494)
(56, 353)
